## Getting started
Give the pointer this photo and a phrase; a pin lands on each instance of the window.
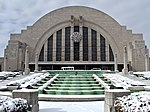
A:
(76, 28)
(67, 44)
(94, 45)
(41, 56)
(50, 49)
(76, 46)
(58, 45)
(85, 43)
(102, 48)
(76, 51)
(111, 55)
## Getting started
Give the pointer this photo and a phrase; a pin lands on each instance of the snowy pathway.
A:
(96, 106)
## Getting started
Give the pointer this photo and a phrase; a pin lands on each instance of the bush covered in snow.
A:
(8, 104)
(136, 102)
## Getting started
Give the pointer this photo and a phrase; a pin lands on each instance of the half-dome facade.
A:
(77, 36)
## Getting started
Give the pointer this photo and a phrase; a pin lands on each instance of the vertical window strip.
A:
(58, 45)
(76, 28)
(50, 49)
(41, 56)
(76, 51)
(67, 43)
(85, 43)
(102, 48)
(76, 46)
(94, 45)
(111, 55)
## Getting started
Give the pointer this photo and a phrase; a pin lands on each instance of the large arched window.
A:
(96, 49)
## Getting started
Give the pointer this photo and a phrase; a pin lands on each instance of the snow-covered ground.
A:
(136, 102)
(29, 80)
(95, 106)
(145, 75)
(8, 104)
(122, 81)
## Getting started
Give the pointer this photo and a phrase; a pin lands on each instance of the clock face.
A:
(76, 37)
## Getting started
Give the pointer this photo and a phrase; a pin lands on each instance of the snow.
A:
(122, 81)
(136, 102)
(12, 105)
(95, 106)
(8, 104)
(48, 82)
(29, 80)
(145, 75)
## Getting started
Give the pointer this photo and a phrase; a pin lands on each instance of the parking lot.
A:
(7, 79)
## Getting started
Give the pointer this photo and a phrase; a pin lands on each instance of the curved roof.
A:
(78, 8)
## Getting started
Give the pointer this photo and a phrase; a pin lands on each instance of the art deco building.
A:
(76, 36)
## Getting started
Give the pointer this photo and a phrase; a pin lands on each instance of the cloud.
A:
(17, 14)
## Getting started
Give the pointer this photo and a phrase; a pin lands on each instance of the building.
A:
(77, 36)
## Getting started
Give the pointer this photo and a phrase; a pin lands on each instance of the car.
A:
(3, 76)
(9, 74)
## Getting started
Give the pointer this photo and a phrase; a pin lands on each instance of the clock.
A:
(76, 37)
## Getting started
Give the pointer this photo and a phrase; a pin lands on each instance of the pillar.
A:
(63, 45)
(107, 50)
(36, 63)
(125, 69)
(54, 47)
(31, 95)
(98, 47)
(116, 63)
(81, 43)
(111, 96)
(45, 51)
(89, 45)
(71, 45)
(20, 59)
(27, 70)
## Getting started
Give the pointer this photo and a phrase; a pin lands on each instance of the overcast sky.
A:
(15, 15)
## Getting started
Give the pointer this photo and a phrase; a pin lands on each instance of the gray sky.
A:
(15, 15)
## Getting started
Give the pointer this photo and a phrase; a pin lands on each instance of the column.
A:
(54, 47)
(125, 69)
(81, 43)
(45, 51)
(63, 45)
(107, 51)
(116, 64)
(146, 62)
(98, 47)
(20, 58)
(111, 96)
(27, 70)
(36, 62)
(71, 45)
(89, 45)
(31, 95)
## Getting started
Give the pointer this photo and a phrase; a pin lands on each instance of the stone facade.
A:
(37, 35)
